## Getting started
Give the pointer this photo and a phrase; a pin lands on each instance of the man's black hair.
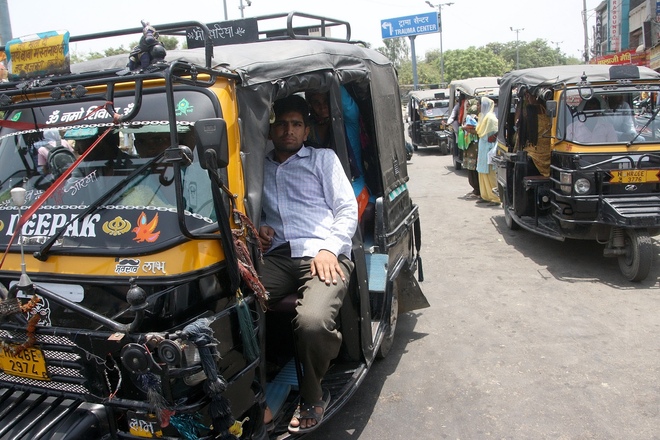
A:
(292, 103)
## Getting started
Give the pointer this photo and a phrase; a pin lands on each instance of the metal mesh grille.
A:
(63, 371)
(61, 356)
(41, 339)
(52, 385)
(54, 358)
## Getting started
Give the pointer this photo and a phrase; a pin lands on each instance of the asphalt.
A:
(526, 337)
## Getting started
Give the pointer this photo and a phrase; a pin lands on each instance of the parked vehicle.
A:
(428, 111)
(603, 163)
(470, 88)
(129, 306)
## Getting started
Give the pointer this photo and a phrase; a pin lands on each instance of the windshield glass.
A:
(603, 116)
(125, 175)
(435, 108)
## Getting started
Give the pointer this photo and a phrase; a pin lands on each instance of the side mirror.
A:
(551, 107)
(211, 134)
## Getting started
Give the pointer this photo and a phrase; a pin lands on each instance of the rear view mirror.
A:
(211, 134)
(551, 107)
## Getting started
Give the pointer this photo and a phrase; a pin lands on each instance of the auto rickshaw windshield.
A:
(596, 116)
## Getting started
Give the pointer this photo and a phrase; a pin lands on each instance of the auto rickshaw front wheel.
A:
(636, 262)
(508, 218)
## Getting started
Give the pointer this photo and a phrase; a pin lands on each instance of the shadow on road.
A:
(355, 415)
(573, 261)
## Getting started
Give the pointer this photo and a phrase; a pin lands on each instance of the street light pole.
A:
(556, 43)
(442, 61)
(241, 7)
(517, 57)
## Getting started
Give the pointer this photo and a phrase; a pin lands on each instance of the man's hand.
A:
(266, 234)
(326, 266)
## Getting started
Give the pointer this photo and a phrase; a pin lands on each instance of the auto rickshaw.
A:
(577, 162)
(130, 305)
(428, 111)
(463, 90)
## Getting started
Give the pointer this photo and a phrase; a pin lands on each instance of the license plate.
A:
(635, 176)
(29, 363)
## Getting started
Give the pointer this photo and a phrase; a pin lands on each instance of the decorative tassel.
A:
(158, 403)
(201, 334)
(188, 425)
(250, 345)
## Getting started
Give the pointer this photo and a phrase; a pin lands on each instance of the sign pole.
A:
(414, 60)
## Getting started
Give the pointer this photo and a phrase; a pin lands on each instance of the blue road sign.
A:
(410, 25)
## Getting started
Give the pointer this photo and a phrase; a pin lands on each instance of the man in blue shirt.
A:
(309, 215)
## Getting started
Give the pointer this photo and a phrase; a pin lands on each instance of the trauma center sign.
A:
(409, 25)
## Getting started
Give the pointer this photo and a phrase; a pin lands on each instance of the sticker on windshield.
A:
(116, 226)
(184, 107)
(146, 229)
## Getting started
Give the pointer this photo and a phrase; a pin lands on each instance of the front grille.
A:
(63, 364)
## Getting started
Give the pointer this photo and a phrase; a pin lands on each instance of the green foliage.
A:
(396, 50)
(169, 43)
(493, 59)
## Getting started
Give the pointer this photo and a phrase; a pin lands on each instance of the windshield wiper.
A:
(42, 253)
(639, 132)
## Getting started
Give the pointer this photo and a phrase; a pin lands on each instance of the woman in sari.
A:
(487, 132)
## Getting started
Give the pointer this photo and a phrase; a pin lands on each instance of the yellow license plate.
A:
(635, 176)
(29, 363)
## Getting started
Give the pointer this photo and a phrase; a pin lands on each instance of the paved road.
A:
(526, 338)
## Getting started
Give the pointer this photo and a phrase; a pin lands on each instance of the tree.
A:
(396, 50)
(535, 53)
(169, 43)
(473, 62)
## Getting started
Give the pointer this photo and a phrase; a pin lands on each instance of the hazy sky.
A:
(465, 23)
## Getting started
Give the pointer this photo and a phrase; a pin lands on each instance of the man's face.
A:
(151, 144)
(3, 72)
(288, 132)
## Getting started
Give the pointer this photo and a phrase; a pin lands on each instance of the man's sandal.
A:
(306, 411)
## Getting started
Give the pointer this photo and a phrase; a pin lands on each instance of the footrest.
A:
(532, 181)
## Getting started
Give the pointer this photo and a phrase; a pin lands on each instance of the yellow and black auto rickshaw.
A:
(129, 303)
(428, 111)
(577, 161)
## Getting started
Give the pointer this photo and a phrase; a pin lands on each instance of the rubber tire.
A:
(390, 326)
(457, 165)
(508, 219)
(636, 264)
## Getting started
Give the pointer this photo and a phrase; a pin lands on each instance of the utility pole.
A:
(586, 32)
(224, 3)
(556, 43)
(517, 54)
(442, 61)
(5, 23)
(241, 7)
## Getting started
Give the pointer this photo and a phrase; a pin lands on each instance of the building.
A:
(627, 32)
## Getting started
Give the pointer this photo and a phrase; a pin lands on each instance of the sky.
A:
(465, 23)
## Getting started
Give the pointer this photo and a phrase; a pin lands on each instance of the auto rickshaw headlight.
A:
(565, 180)
(582, 186)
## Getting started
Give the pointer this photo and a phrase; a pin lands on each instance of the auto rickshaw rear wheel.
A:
(390, 325)
(636, 263)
